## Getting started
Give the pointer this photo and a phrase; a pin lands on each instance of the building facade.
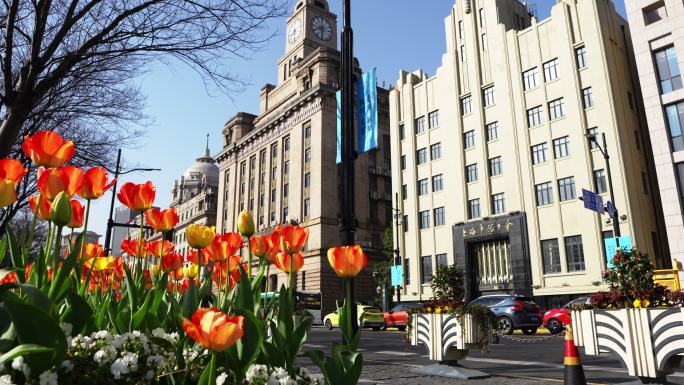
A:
(491, 154)
(280, 164)
(122, 214)
(658, 39)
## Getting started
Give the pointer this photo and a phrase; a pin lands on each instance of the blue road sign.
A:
(592, 201)
(625, 243)
(610, 208)
(397, 275)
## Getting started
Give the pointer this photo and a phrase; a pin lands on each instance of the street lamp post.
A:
(110, 221)
(397, 251)
(604, 151)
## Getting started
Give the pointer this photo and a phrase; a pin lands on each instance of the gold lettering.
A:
(473, 232)
(490, 228)
(509, 224)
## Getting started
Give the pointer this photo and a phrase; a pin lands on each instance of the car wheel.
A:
(505, 325)
(328, 324)
(554, 326)
(401, 328)
(530, 332)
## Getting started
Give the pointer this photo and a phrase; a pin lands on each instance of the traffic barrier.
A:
(574, 373)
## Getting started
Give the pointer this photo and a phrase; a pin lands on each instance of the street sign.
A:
(611, 245)
(610, 208)
(397, 275)
(592, 201)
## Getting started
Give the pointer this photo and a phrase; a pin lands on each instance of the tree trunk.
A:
(10, 128)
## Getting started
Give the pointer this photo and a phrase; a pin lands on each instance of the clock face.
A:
(321, 28)
(295, 31)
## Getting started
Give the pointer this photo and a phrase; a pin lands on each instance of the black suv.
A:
(513, 312)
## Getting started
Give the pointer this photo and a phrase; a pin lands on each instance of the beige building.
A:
(280, 164)
(658, 38)
(490, 154)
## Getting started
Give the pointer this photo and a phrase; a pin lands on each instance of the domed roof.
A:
(205, 165)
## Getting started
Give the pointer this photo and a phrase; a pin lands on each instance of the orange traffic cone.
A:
(574, 374)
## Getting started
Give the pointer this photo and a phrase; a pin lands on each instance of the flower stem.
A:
(58, 245)
(28, 245)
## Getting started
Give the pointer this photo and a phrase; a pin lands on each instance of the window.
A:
(273, 217)
(556, 109)
(495, 166)
(286, 167)
(544, 193)
(285, 214)
(668, 70)
(574, 253)
(561, 147)
(498, 203)
(307, 131)
(426, 269)
(471, 173)
(307, 180)
(435, 151)
(654, 12)
(423, 187)
(407, 271)
(424, 219)
(437, 183)
(274, 173)
(600, 181)
(405, 224)
(539, 153)
(551, 70)
(421, 156)
(420, 125)
(593, 132)
(587, 98)
(581, 55)
(566, 188)
(551, 256)
(307, 207)
(286, 144)
(644, 182)
(403, 162)
(488, 96)
(404, 191)
(535, 116)
(273, 195)
(530, 78)
(439, 216)
(483, 41)
(492, 131)
(433, 118)
(307, 155)
(402, 132)
(463, 53)
(274, 151)
(473, 208)
(675, 122)
(482, 17)
(441, 260)
(469, 139)
(680, 181)
(261, 200)
(286, 189)
(466, 105)
(460, 29)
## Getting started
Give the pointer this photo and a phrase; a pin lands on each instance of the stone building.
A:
(491, 154)
(280, 164)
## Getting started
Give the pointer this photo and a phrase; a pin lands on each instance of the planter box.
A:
(649, 342)
(447, 336)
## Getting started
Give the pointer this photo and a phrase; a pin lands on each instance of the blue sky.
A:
(184, 112)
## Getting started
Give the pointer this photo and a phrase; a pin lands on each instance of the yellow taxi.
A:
(367, 316)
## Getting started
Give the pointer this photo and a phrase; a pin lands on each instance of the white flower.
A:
(6, 380)
(67, 328)
(304, 373)
(257, 372)
(221, 379)
(124, 365)
(155, 360)
(19, 365)
(149, 375)
(67, 366)
(318, 380)
(48, 378)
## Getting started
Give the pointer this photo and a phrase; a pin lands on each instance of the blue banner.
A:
(367, 108)
(611, 245)
(397, 272)
(338, 158)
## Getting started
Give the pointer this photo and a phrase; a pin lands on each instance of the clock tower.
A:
(311, 26)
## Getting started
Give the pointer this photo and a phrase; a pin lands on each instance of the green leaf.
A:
(123, 319)
(35, 297)
(131, 290)
(245, 294)
(248, 346)
(190, 302)
(16, 254)
(3, 248)
(35, 326)
(208, 376)
(78, 313)
(23, 350)
(140, 315)
(64, 272)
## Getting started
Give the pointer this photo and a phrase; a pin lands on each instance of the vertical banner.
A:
(338, 158)
(367, 110)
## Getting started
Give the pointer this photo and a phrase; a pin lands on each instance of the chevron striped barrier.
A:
(447, 336)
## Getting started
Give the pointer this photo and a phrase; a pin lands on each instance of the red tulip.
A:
(292, 238)
(161, 221)
(213, 329)
(11, 169)
(137, 197)
(91, 251)
(159, 248)
(224, 246)
(77, 215)
(132, 248)
(43, 212)
(347, 261)
(258, 245)
(273, 241)
(171, 262)
(48, 149)
(8, 192)
(95, 183)
(52, 181)
(289, 263)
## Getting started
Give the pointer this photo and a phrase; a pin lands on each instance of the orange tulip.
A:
(259, 245)
(132, 248)
(117, 268)
(292, 238)
(224, 246)
(213, 329)
(224, 277)
(161, 221)
(273, 241)
(10, 277)
(77, 215)
(95, 183)
(8, 192)
(171, 262)
(178, 274)
(48, 149)
(11, 169)
(52, 181)
(90, 251)
(347, 261)
(192, 257)
(289, 263)
(137, 197)
(159, 248)
(183, 286)
(45, 208)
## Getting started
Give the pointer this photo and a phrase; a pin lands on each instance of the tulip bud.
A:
(245, 223)
(61, 210)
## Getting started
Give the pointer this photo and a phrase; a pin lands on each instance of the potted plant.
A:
(639, 321)
(448, 326)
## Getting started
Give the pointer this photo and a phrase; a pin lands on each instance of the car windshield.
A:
(371, 309)
(526, 301)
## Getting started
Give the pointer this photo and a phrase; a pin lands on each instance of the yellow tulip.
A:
(191, 271)
(200, 236)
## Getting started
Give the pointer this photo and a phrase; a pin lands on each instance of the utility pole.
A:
(614, 212)
(397, 251)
